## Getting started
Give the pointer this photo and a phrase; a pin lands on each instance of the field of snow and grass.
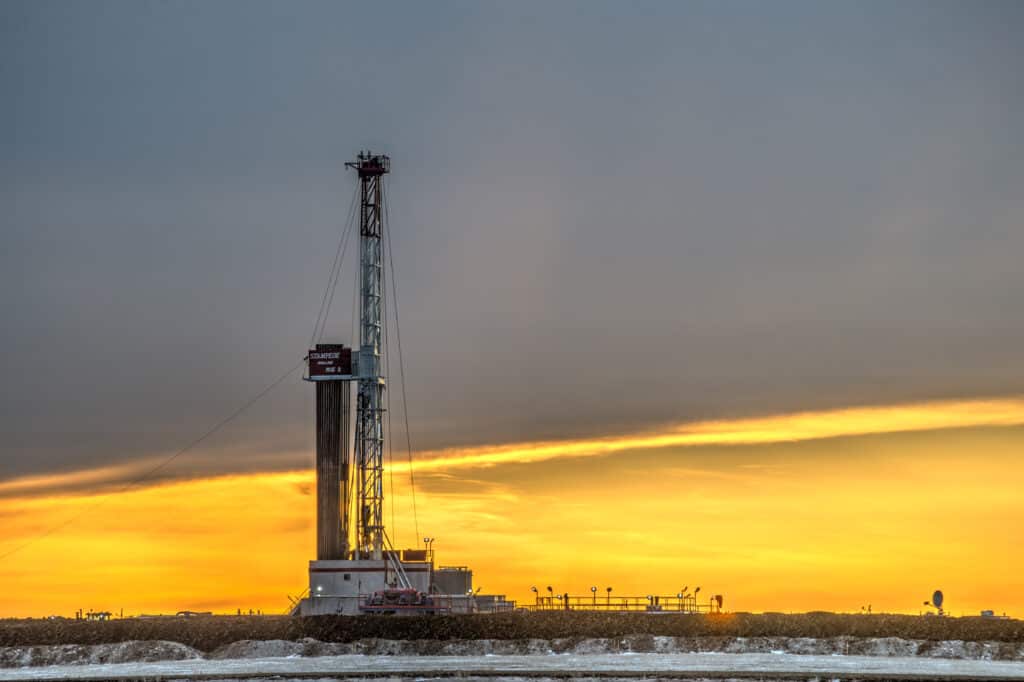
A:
(211, 648)
(628, 657)
(772, 666)
(154, 651)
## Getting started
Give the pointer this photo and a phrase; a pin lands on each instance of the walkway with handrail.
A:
(647, 604)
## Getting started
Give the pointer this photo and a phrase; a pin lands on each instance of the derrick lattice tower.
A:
(369, 435)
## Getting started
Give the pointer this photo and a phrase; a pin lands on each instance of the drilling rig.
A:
(357, 570)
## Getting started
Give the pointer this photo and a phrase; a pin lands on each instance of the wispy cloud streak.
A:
(801, 426)
(795, 427)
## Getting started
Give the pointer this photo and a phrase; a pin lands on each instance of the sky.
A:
(720, 289)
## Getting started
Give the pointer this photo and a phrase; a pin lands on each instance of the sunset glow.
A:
(831, 510)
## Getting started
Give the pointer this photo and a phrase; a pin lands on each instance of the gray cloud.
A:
(605, 216)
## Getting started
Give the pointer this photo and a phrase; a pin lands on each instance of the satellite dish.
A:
(937, 599)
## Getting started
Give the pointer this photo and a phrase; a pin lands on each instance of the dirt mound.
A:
(121, 652)
(249, 648)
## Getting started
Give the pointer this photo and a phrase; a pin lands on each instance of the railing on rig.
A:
(648, 604)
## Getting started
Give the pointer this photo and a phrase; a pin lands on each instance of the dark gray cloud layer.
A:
(605, 215)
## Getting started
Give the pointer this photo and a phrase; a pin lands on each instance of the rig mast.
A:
(369, 436)
(357, 570)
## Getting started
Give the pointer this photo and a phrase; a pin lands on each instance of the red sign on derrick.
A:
(330, 362)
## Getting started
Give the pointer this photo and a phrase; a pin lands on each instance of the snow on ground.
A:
(138, 651)
(536, 666)
(121, 652)
(636, 655)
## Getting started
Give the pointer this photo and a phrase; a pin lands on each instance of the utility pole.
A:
(369, 438)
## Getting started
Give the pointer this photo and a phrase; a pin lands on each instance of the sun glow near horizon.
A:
(825, 510)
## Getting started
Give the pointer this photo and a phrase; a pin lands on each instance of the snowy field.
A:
(151, 651)
(540, 667)
(635, 656)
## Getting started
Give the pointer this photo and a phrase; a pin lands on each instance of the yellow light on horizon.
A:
(824, 510)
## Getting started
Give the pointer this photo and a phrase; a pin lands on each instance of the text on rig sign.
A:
(328, 364)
